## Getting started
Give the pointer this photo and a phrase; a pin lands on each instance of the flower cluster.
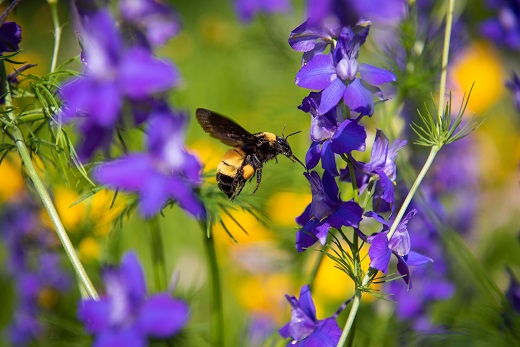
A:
(126, 316)
(35, 268)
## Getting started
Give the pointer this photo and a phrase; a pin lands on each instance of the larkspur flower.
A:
(304, 329)
(514, 86)
(10, 37)
(114, 74)
(381, 249)
(329, 136)
(166, 171)
(381, 165)
(247, 9)
(504, 28)
(336, 74)
(153, 22)
(311, 38)
(325, 211)
(126, 316)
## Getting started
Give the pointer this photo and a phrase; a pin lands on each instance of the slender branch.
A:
(8, 10)
(217, 312)
(444, 64)
(42, 192)
(157, 249)
(57, 33)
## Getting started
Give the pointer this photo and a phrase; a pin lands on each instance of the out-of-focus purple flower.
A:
(126, 316)
(260, 329)
(504, 28)
(336, 74)
(350, 12)
(514, 86)
(165, 172)
(10, 37)
(32, 265)
(381, 248)
(325, 211)
(381, 165)
(304, 329)
(513, 292)
(155, 22)
(330, 137)
(247, 9)
(114, 74)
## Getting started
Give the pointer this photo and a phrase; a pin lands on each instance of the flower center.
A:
(347, 69)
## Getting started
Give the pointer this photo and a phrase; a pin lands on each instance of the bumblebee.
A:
(249, 154)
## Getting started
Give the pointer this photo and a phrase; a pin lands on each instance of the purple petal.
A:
(331, 95)
(317, 74)
(305, 236)
(322, 231)
(95, 315)
(115, 174)
(303, 38)
(10, 37)
(142, 75)
(328, 161)
(379, 253)
(132, 273)
(417, 259)
(350, 136)
(376, 76)
(326, 334)
(358, 98)
(347, 214)
(127, 337)
(153, 194)
(306, 303)
(379, 152)
(182, 192)
(162, 316)
(305, 216)
(313, 155)
(403, 270)
(387, 187)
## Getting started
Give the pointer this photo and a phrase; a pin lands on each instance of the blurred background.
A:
(246, 71)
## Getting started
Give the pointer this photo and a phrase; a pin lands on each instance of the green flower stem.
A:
(355, 306)
(157, 249)
(445, 54)
(217, 309)
(316, 267)
(433, 152)
(42, 192)
(57, 33)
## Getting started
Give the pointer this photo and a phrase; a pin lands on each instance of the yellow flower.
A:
(11, 181)
(284, 207)
(89, 249)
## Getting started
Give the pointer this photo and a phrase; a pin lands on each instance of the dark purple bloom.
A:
(304, 329)
(126, 316)
(381, 248)
(247, 9)
(513, 292)
(154, 21)
(514, 86)
(330, 137)
(312, 38)
(504, 28)
(114, 74)
(325, 211)
(10, 37)
(382, 166)
(165, 172)
(336, 74)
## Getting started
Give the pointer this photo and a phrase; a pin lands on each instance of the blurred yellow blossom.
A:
(89, 249)
(11, 181)
(284, 207)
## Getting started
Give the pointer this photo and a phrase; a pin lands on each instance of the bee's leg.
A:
(240, 183)
(258, 179)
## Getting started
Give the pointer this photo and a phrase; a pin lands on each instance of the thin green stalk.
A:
(57, 33)
(444, 64)
(157, 249)
(42, 192)
(217, 309)
(316, 267)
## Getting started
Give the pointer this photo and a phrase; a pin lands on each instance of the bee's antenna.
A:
(296, 132)
(283, 130)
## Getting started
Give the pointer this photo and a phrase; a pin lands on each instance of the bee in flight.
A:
(249, 152)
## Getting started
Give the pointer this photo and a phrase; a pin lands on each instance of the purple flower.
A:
(305, 329)
(126, 316)
(165, 172)
(513, 291)
(381, 248)
(10, 37)
(325, 211)
(312, 38)
(336, 74)
(247, 9)
(260, 329)
(381, 165)
(503, 29)
(154, 22)
(330, 137)
(514, 86)
(114, 74)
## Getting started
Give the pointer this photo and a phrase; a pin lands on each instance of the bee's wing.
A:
(223, 128)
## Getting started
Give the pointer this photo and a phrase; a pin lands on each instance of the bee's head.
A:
(285, 149)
